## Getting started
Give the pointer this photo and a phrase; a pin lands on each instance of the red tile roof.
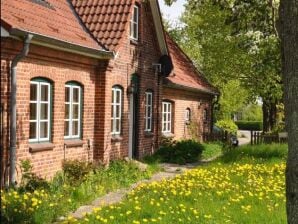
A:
(106, 19)
(59, 21)
(184, 73)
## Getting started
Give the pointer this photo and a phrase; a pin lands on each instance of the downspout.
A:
(13, 109)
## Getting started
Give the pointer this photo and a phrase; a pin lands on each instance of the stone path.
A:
(170, 171)
(245, 137)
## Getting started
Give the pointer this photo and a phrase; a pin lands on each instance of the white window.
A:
(148, 111)
(40, 108)
(116, 110)
(187, 115)
(166, 117)
(72, 115)
(134, 24)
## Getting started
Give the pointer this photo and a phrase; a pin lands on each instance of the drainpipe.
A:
(13, 109)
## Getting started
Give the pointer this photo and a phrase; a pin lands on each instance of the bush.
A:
(30, 181)
(76, 171)
(181, 152)
(227, 125)
(250, 125)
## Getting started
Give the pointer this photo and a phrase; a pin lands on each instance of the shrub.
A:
(30, 181)
(250, 125)
(227, 125)
(181, 152)
(76, 171)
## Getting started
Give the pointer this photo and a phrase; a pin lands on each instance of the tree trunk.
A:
(289, 39)
(269, 115)
(265, 116)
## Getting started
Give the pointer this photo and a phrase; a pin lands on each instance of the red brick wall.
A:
(196, 102)
(132, 57)
(60, 68)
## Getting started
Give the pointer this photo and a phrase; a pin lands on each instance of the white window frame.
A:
(70, 104)
(134, 36)
(38, 103)
(148, 107)
(187, 114)
(116, 104)
(167, 123)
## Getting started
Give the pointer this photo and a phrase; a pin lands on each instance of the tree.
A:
(289, 43)
(236, 40)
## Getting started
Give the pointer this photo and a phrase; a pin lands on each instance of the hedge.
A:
(250, 125)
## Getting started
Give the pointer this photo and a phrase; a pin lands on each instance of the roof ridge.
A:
(83, 25)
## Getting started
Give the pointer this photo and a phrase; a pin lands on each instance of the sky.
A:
(173, 12)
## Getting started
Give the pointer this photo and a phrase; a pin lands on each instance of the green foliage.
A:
(212, 150)
(181, 152)
(235, 44)
(66, 194)
(227, 125)
(256, 153)
(30, 181)
(252, 112)
(76, 171)
(250, 125)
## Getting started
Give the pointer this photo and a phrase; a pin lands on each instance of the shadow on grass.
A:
(268, 152)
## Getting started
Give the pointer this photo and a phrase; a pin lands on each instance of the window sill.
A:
(116, 138)
(168, 135)
(73, 143)
(148, 134)
(134, 42)
(39, 147)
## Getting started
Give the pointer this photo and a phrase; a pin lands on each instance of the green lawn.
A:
(246, 185)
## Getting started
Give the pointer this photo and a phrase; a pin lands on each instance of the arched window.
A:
(73, 110)
(166, 117)
(187, 115)
(148, 110)
(40, 110)
(116, 113)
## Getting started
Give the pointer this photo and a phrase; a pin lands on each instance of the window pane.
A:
(118, 115)
(112, 112)
(113, 95)
(43, 111)
(66, 128)
(33, 92)
(164, 117)
(32, 132)
(135, 14)
(169, 127)
(67, 94)
(112, 125)
(66, 116)
(118, 96)
(75, 95)
(43, 129)
(135, 30)
(44, 92)
(33, 111)
(164, 126)
(75, 128)
(75, 111)
(118, 125)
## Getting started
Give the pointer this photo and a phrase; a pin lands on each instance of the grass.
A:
(211, 150)
(245, 185)
(62, 196)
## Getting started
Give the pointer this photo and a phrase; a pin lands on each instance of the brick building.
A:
(90, 82)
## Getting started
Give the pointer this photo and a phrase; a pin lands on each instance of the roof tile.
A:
(58, 21)
(184, 72)
(106, 19)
